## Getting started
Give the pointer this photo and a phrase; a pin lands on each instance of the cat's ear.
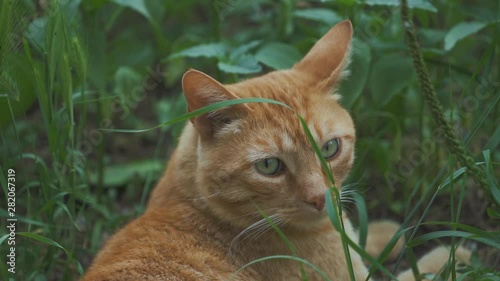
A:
(202, 90)
(328, 58)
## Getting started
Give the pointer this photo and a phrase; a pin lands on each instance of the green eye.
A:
(268, 166)
(330, 148)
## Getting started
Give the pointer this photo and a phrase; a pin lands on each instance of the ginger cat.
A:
(202, 222)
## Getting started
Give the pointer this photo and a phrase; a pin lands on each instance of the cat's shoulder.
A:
(153, 247)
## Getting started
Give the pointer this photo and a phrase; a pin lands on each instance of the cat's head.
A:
(257, 154)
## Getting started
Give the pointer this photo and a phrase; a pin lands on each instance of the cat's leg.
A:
(434, 261)
(379, 235)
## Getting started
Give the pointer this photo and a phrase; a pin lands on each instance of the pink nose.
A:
(317, 202)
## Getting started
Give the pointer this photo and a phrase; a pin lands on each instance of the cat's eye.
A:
(330, 149)
(269, 166)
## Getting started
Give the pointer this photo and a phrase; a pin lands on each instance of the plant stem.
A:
(435, 106)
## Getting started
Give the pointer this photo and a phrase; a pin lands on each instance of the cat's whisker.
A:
(250, 228)
(256, 230)
(263, 223)
(278, 221)
(348, 196)
(347, 208)
(257, 213)
(347, 192)
(347, 199)
(349, 189)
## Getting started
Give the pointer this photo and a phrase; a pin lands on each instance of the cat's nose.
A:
(317, 202)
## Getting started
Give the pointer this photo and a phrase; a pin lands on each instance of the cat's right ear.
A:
(202, 90)
(329, 57)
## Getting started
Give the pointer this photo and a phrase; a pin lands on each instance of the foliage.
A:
(73, 71)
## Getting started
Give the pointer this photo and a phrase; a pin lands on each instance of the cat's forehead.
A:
(276, 126)
(288, 87)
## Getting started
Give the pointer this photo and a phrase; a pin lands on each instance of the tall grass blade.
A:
(302, 261)
(201, 111)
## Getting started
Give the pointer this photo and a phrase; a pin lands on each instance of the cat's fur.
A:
(202, 222)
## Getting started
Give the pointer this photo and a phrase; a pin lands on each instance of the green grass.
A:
(72, 73)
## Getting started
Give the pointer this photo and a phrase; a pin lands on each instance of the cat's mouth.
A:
(308, 217)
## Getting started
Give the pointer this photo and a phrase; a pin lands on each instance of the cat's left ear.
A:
(202, 90)
(328, 58)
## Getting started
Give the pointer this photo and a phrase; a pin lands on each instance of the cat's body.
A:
(204, 219)
(187, 245)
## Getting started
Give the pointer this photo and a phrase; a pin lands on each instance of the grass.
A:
(71, 68)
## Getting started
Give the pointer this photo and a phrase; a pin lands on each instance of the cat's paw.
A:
(379, 235)
(434, 261)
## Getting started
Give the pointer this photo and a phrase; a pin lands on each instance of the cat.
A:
(204, 220)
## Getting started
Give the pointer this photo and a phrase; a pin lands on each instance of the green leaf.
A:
(51, 242)
(3, 238)
(318, 14)
(137, 5)
(495, 191)
(116, 175)
(389, 76)
(243, 49)
(36, 32)
(126, 52)
(17, 89)
(487, 240)
(211, 50)
(240, 62)
(94, 4)
(278, 55)
(362, 219)
(167, 109)
(413, 4)
(430, 37)
(237, 69)
(493, 213)
(156, 8)
(71, 10)
(243, 65)
(494, 140)
(127, 83)
(331, 209)
(460, 31)
(129, 89)
(453, 177)
(352, 87)
(42, 239)
(99, 63)
(3, 213)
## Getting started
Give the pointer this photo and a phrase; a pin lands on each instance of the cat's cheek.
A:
(340, 172)
(265, 184)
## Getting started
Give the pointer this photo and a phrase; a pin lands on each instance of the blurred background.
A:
(72, 71)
